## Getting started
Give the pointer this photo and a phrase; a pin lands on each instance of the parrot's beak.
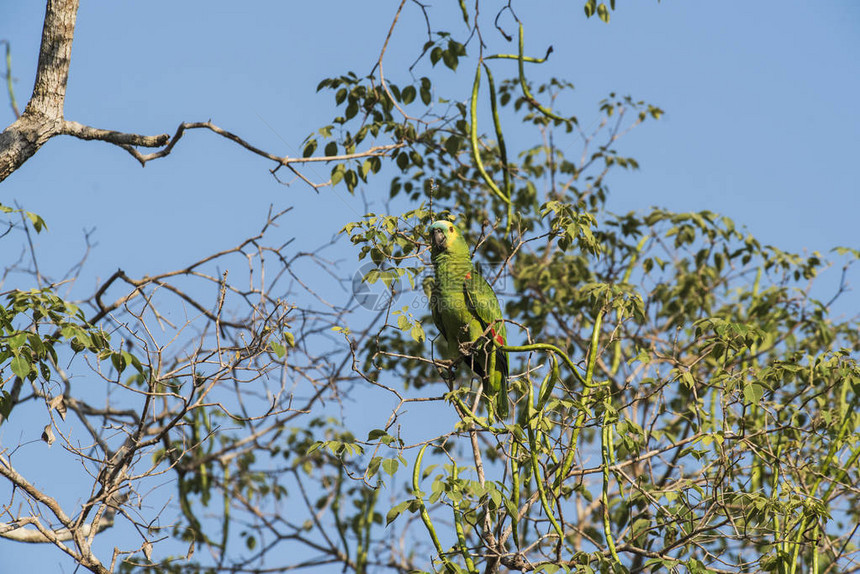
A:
(438, 238)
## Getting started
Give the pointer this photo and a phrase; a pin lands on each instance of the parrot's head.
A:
(445, 237)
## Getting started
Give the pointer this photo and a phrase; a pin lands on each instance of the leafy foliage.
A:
(683, 399)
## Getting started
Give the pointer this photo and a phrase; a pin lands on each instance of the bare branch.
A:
(20, 533)
(117, 138)
(285, 161)
(10, 80)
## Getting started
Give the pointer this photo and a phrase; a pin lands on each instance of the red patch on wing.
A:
(469, 275)
(499, 339)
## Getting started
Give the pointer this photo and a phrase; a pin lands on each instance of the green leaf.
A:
(351, 109)
(603, 12)
(118, 362)
(17, 340)
(403, 322)
(390, 466)
(337, 174)
(38, 222)
(435, 55)
(417, 333)
(5, 404)
(310, 148)
(453, 144)
(375, 434)
(590, 7)
(403, 160)
(395, 512)
(351, 180)
(450, 59)
(21, 366)
(289, 339)
(753, 392)
(340, 96)
(279, 350)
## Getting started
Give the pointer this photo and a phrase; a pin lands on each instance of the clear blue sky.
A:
(762, 118)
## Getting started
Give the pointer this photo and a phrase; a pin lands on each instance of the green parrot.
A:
(467, 313)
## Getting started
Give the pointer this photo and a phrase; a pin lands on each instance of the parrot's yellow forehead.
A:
(445, 226)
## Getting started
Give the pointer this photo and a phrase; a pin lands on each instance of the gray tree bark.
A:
(43, 118)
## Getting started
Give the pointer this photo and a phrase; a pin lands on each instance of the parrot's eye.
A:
(450, 229)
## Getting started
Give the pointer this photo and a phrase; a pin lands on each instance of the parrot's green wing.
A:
(484, 305)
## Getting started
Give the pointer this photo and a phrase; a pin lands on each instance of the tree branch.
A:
(55, 53)
(43, 117)
(19, 533)
(285, 161)
(10, 473)
(10, 88)
(117, 138)
(44, 112)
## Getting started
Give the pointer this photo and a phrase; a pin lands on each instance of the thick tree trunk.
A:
(22, 139)
(43, 117)
(49, 91)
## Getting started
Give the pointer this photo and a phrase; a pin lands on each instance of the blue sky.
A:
(762, 122)
(761, 118)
